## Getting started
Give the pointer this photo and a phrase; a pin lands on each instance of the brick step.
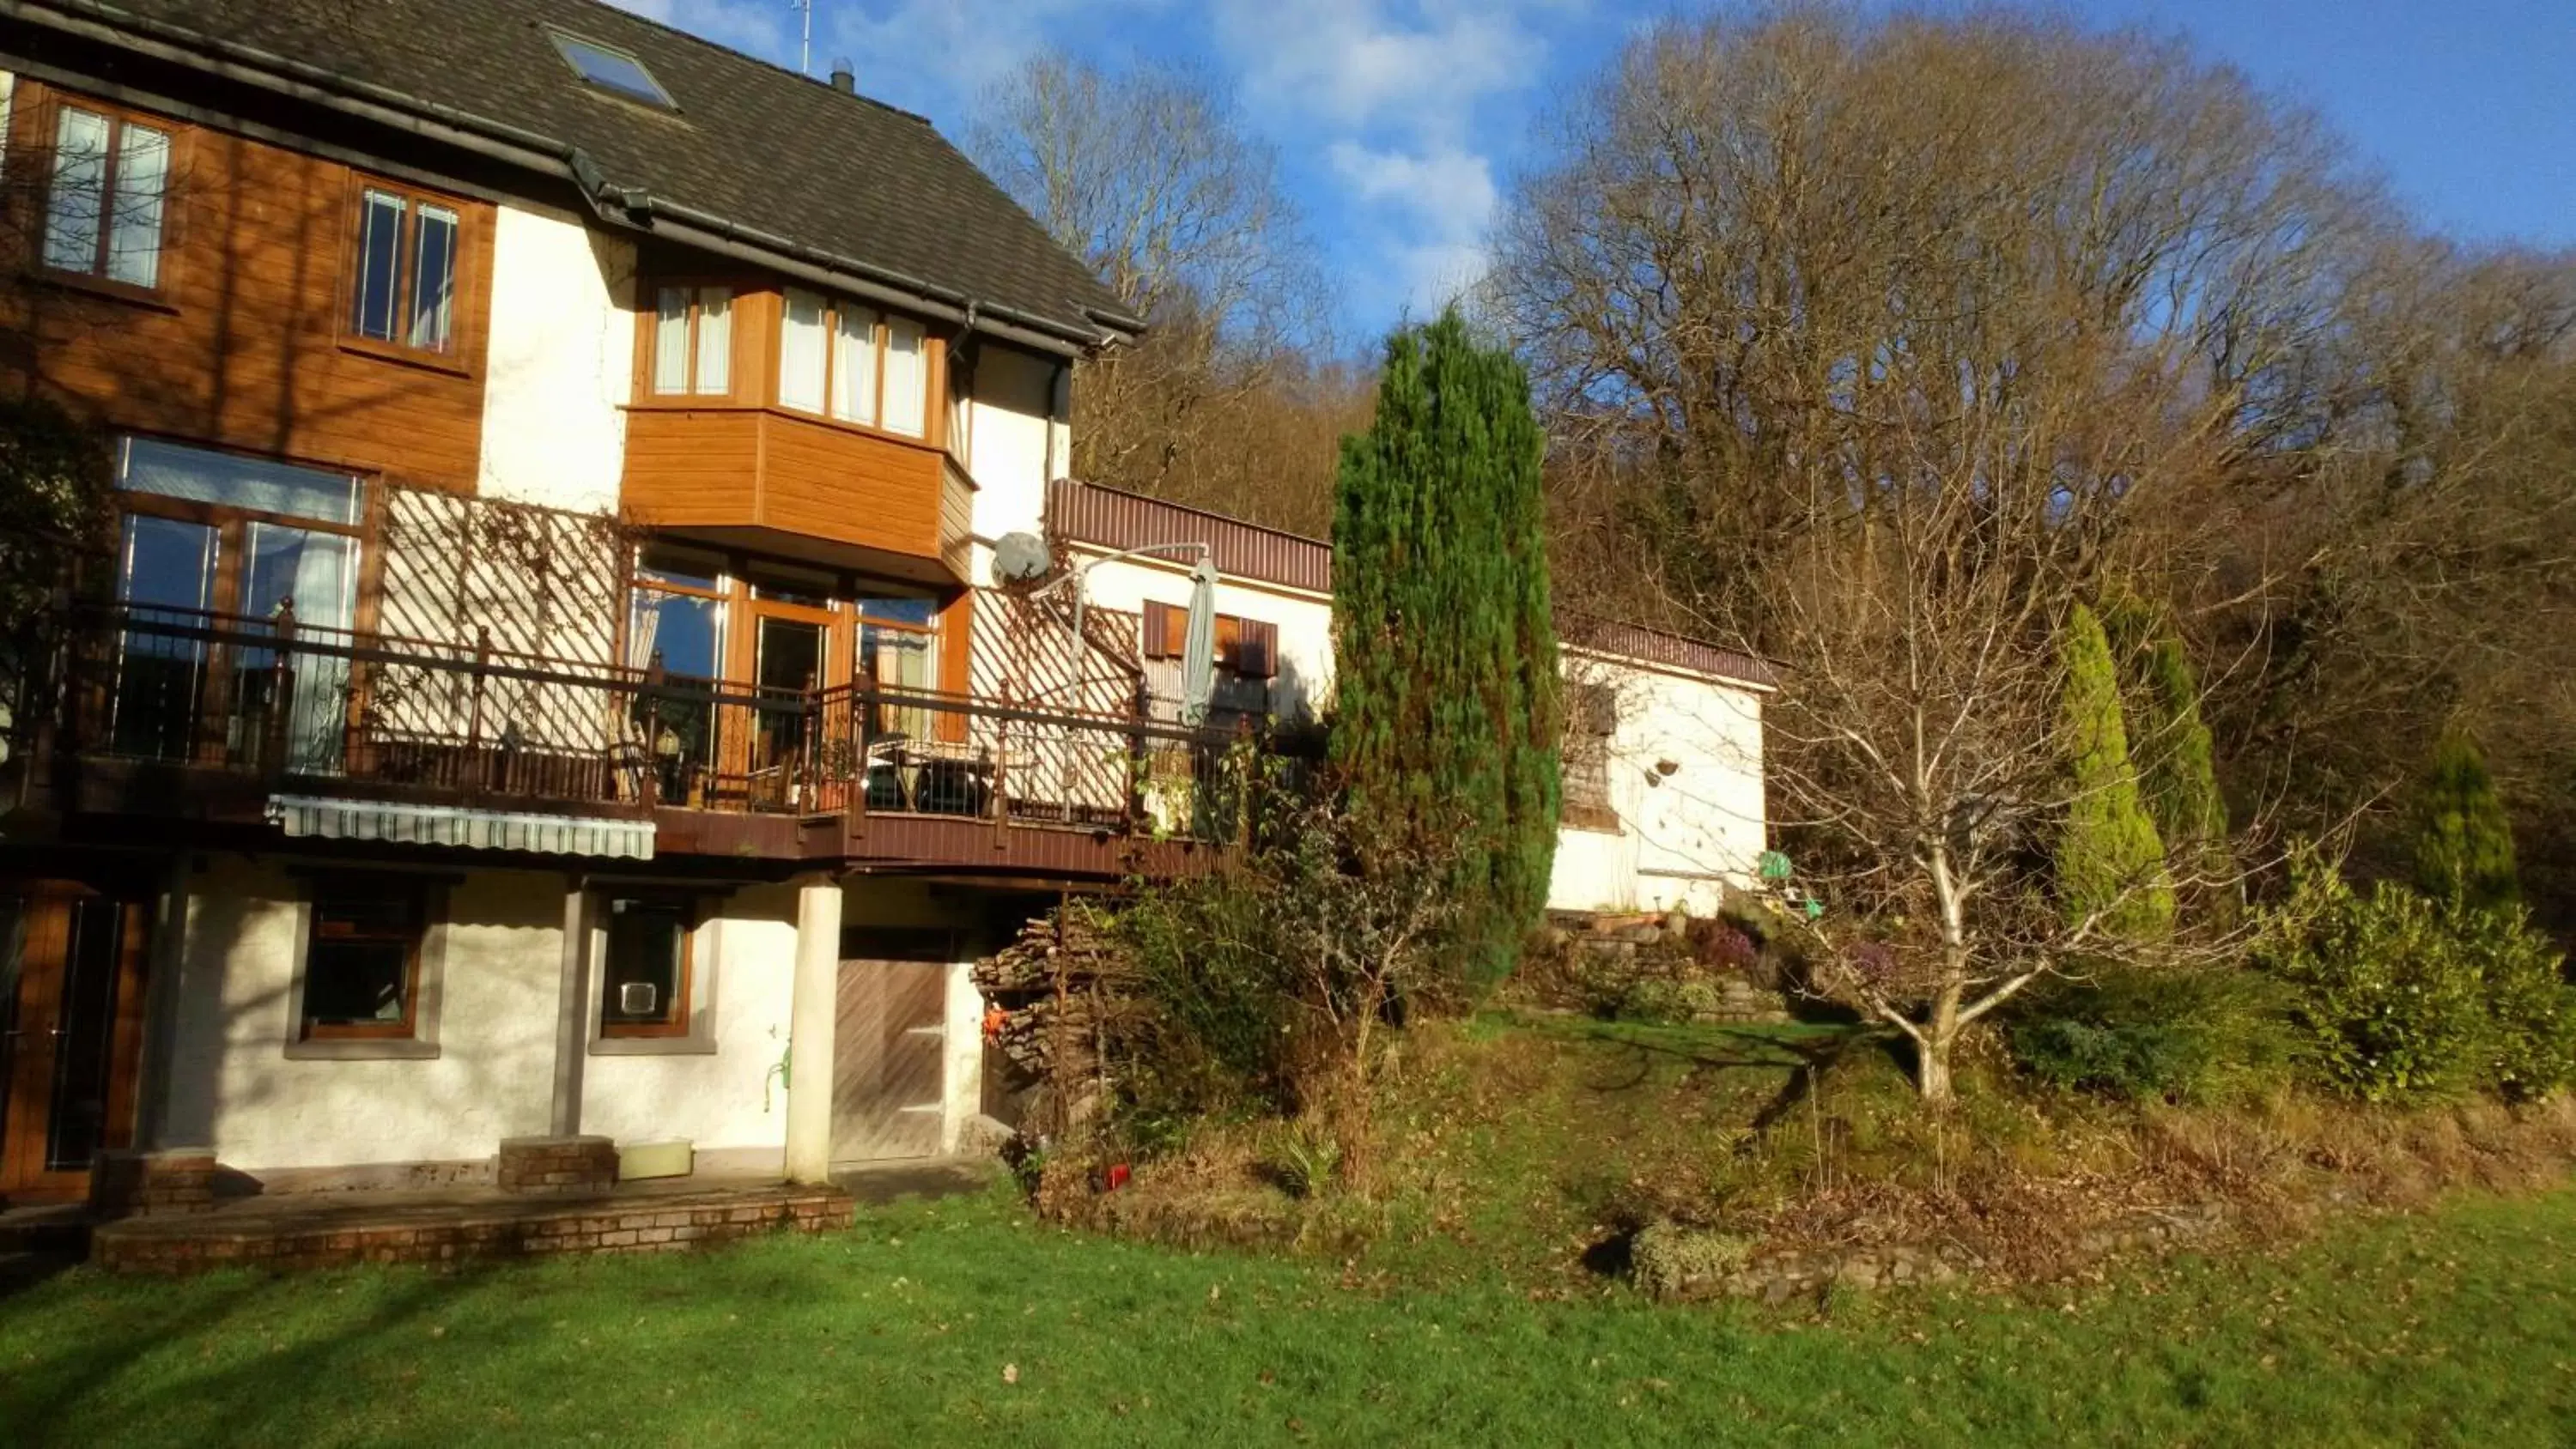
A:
(276, 1234)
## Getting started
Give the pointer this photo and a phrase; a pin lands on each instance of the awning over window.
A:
(321, 819)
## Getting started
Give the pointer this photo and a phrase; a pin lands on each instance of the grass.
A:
(962, 1322)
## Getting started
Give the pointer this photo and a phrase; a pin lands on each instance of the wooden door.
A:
(889, 1050)
(71, 972)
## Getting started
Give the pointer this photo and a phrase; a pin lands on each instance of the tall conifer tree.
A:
(2463, 840)
(1446, 716)
(2109, 857)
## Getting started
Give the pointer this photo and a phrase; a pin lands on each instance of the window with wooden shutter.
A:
(1166, 631)
(1255, 654)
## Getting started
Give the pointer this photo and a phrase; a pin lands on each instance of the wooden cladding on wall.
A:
(242, 343)
(766, 468)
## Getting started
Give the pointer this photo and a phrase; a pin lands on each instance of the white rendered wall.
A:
(1683, 834)
(732, 1100)
(1304, 620)
(559, 368)
(231, 1086)
(1015, 434)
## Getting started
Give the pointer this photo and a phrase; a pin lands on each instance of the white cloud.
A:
(1357, 63)
(1448, 190)
(755, 27)
(1435, 274)
(933, 53)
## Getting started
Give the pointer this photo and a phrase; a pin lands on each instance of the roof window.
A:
(612, 69)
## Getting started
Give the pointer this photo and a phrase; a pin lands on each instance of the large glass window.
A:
(677, 621)
(362, 958)
(233, 480)
(103, 209)
(405, 286)
(693, 341)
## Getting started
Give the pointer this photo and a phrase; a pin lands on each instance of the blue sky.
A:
(1400, 122)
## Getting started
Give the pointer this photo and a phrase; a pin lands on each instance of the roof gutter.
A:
(633, 207)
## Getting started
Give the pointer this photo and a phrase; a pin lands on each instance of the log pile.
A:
(1046, 1003)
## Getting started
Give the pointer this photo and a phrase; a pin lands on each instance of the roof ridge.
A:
(668, 28)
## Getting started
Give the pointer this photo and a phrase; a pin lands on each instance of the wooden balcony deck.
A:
(210, 723)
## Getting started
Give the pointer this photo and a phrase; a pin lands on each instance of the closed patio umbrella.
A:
(1198, 646)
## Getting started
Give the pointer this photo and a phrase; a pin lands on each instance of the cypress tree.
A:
(2171, 746)
(1446, 713)
(2463, 841)
(2108, 852)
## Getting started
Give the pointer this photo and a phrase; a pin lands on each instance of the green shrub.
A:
(1669, 1000)
(2171, 1035)
(2531, 1010)
(2406, 998)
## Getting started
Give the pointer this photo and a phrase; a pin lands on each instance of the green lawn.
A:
(961, 1323)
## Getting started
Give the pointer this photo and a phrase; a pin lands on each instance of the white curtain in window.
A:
(904, 376)
(72, 203)
(318, 571)
(854, 365)
(134, 227)
(801, 352)
(671, 341)
(715, 339)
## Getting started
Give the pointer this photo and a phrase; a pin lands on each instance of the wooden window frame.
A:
(42, 119)
(648, 322)
(680, 1013)
(934, 382)
(409, 1028)
(455, 356)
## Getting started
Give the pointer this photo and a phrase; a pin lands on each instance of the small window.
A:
(1591, 718)
(644, 972)
(906, 374)
(693, 341)
(362, 959)
(1245, 648)
(103, 209)
(405, 292)
(803, 356)
(612, 69)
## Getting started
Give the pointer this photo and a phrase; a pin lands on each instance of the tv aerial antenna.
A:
(805, 39)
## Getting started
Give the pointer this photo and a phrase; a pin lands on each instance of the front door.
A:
(71, 999)
(889, 1049)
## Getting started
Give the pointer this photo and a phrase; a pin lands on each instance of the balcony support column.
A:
(813, 1009)
(572, 1010)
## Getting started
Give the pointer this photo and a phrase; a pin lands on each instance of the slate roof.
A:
(815, 174)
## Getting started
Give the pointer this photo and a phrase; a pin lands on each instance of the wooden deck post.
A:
(813, 1010)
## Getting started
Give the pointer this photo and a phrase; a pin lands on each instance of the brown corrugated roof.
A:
(1112, 518)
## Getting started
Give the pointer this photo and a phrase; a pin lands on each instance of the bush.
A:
(2404, 998)
(2171, 1036)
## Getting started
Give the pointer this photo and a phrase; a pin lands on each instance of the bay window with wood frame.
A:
(852, 363)
(691, 354)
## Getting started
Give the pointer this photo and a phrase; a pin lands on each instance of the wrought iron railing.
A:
(368, 713)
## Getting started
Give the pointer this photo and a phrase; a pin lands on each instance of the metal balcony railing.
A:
(367, 714)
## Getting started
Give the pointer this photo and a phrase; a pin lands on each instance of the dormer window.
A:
(612, 70)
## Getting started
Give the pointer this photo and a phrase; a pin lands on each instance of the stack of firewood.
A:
(1045, 998)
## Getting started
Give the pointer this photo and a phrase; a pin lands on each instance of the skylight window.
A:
(614, 70)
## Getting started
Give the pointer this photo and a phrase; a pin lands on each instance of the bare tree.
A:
(1150, 177)
(1901, 337)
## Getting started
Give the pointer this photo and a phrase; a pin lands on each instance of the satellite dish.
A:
(1022, 558)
